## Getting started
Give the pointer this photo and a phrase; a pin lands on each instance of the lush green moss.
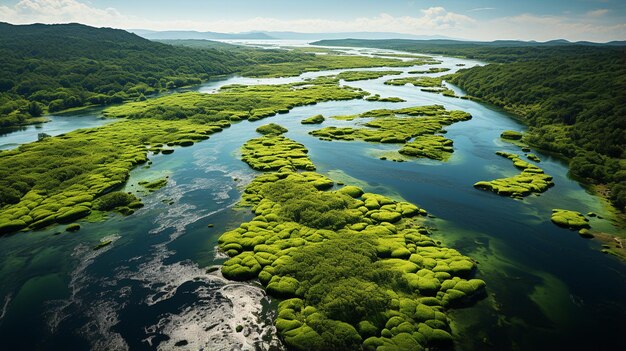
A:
(358, 265)
(317, 119)
(377, 97)
(237, 102)
(569, 219)
(271, 128)
(431, 70)
(61, 179)
(421, 81)
(530, 180)
(351, 76)
(435, 147)
(511, 135)
(102, 244)
(153, 185)
(275, 152)
(401, 126)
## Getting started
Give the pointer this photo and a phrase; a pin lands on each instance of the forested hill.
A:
(574, 103)
(493, 51)
(55, 67)
(572, 95)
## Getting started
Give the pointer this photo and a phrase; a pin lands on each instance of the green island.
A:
(414, 127)
(531, 180)
(430, 70)
(350, 76)
(569, 219)
(352, 269)
(271, 128)
(376, 97)
(317, 119)
(64, 178)
(429, 84)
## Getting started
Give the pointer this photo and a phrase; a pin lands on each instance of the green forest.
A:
(571, 96)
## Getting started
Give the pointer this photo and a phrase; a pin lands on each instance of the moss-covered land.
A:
(431, 70)
(532, 179)
(273, 152)
(377, 97)
(511, 135)
(351, 76)
(435, 147)
(64, 178)
(317, 119)
(271, 128)
(428, 82)
(355, 270)
(326, 62)
(237, 102)
(569, 219)
(401, 126)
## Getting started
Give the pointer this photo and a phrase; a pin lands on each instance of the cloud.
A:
(597, 13)
(429, 21)
(482, 9)
(58, 11)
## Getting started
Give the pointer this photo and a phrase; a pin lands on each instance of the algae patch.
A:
(531, 180)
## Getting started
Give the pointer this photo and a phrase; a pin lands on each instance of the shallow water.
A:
(151, 289)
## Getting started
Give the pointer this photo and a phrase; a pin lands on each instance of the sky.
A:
(541, 20)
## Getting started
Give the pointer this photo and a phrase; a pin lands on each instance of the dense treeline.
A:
(575, 104)
(572, 96)
(501, 51)
(56, 67)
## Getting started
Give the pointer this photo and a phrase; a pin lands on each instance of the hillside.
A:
(575, 105)
(56, 67)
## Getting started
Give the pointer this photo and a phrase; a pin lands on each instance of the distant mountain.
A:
(180, 34)
(259, 35)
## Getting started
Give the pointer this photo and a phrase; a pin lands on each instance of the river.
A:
(153, 287)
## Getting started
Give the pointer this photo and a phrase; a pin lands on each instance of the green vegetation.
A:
(435, 147)
(317, 119)
(64, 178)
(511, 135)
(356, 270)
(237, 102)
(574, 105)
(154, 185)
(431, 70)
(350, 76)
(271, 128)
(569, 219)
(312, 63)
(377, 97)
(76, 65)
(530, 180)
(572, 97)
(72, 227)
(400, 126)
(432, 82)
(273, 152)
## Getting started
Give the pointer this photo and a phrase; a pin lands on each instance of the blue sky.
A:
(596, 20)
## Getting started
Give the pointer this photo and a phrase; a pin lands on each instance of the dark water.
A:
(152, 289)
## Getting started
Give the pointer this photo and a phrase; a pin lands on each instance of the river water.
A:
(156, 287)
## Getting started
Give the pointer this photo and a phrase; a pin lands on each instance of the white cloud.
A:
(429, 21)
(597, 13)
